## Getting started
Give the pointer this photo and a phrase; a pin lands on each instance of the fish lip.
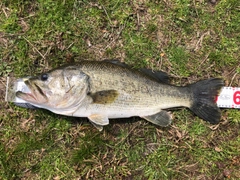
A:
(20, 94)
(30, 96)
(26, 95)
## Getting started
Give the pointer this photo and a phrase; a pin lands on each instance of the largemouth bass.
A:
(101, 90)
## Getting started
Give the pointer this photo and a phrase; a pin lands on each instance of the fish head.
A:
(62, 88)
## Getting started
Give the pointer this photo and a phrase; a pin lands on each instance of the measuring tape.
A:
(229, 97)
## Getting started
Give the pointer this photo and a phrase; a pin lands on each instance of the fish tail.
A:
(204, 104)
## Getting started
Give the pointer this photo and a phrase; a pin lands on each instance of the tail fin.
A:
(204, 99)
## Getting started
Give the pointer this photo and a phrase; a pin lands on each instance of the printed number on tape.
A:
(229, 97)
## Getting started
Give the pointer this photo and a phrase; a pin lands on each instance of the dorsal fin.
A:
(159, 76)
(117, 62)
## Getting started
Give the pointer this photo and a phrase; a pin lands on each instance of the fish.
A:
(109, 89)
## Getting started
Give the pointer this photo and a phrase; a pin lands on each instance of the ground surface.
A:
(190, 40)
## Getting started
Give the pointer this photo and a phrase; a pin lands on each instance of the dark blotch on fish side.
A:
(104, 97)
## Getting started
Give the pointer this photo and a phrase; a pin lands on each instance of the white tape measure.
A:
(229, 97)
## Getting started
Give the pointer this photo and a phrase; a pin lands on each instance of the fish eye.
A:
(44, 77)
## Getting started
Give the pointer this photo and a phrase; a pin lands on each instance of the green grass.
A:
(190, 40)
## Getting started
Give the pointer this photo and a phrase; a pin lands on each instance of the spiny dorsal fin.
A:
(159, 76)
(117, 62)
(104, 97)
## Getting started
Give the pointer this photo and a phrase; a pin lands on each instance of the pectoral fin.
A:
(163, 118)
(104, 97)
(99, 119)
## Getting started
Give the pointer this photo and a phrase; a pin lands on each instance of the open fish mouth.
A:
(26, 96)
(35, 94)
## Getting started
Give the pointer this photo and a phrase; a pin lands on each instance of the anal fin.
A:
(162, 118)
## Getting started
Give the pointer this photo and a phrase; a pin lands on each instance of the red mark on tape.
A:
(236, 98)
